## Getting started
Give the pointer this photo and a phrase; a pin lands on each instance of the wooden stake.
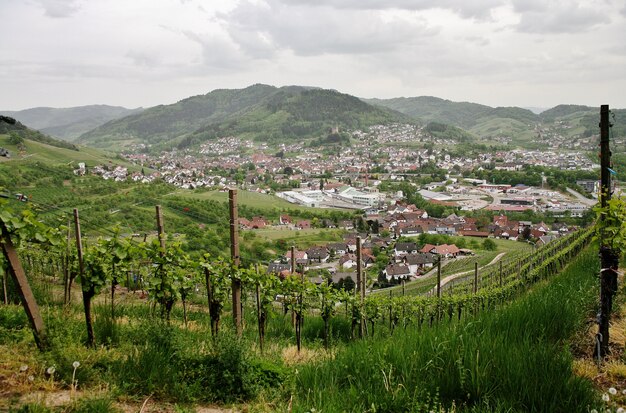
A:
(160, 228)
(360, 280)
(475, 277)
(23, 288)
(87, 294)
(609, 258)
(439, 277)
(234, 255)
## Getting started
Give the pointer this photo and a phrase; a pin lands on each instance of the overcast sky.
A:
(132, 53)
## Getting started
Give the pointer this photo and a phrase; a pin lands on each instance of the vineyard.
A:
(164, 322)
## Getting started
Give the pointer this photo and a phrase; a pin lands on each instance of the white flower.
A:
(31, 378)
(50, 370)
(620, 410)
(23, 367)
(613, 390)
(75, 364)
(593, 411)
(624, 392)
(605, 397)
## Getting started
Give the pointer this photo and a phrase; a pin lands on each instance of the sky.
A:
(527, 53)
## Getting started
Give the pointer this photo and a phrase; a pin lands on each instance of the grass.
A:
(303, 238)
(36, 151)
(513, 360)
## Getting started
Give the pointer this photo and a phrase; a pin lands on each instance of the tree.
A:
(489, 245)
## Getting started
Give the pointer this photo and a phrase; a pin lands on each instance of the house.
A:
(339, 248)
(348, 261)
(299, 255)
(278, 268)
(304, 224)
(318, 254)
(396, 272)
(285, 219)
(444, 250)
(543, 240)
(410, 231)
(419, 261)
(403, 248)
(340, 277)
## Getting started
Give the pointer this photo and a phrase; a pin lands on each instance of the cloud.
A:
(262, 29)
(59, 8)
(142, 58)
(466, 8)
(217, 52)
(558, 16)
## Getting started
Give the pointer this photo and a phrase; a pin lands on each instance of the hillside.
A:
(258, 112)
(10, 126)
(69, 123)
(433, 109)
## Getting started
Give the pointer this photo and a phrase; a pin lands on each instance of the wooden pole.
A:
(4, 288)
(609, 258)
(500, 273)
(360, 279)
(160, 228)
(439, 277)
(234, 255)
(16, 271)
(87, 292)
(66, 270)
(475, 277)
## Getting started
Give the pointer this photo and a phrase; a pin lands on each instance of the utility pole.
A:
(609, 258)
(234, 255)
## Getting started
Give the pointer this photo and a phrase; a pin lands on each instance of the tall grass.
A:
(514, 360)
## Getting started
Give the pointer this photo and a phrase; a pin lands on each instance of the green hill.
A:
(14, 128)
(562, 111)
(69, 123)
(433, 109)
(258, 112)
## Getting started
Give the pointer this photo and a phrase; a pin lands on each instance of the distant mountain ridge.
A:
(69, 123)
(260, 112)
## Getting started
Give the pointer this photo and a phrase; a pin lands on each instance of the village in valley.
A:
(364, 177)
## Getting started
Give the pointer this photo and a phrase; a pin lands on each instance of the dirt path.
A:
(459, 274)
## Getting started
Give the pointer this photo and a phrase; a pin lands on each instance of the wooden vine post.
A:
(67, 283)
(439, 277)
(292, 271)
(360, 280)
(16, 271)
(609, 258)
(234, 255)
(476, 277)
(87, 293)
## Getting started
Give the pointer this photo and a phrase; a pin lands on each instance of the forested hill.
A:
(17, 131)
(259, 112)
(69, 123)
(464, 115)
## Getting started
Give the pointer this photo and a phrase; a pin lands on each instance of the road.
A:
(459, 274)
(582, 199)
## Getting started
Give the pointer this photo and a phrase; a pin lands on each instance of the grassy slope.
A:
(36, 151)
(512, 360)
